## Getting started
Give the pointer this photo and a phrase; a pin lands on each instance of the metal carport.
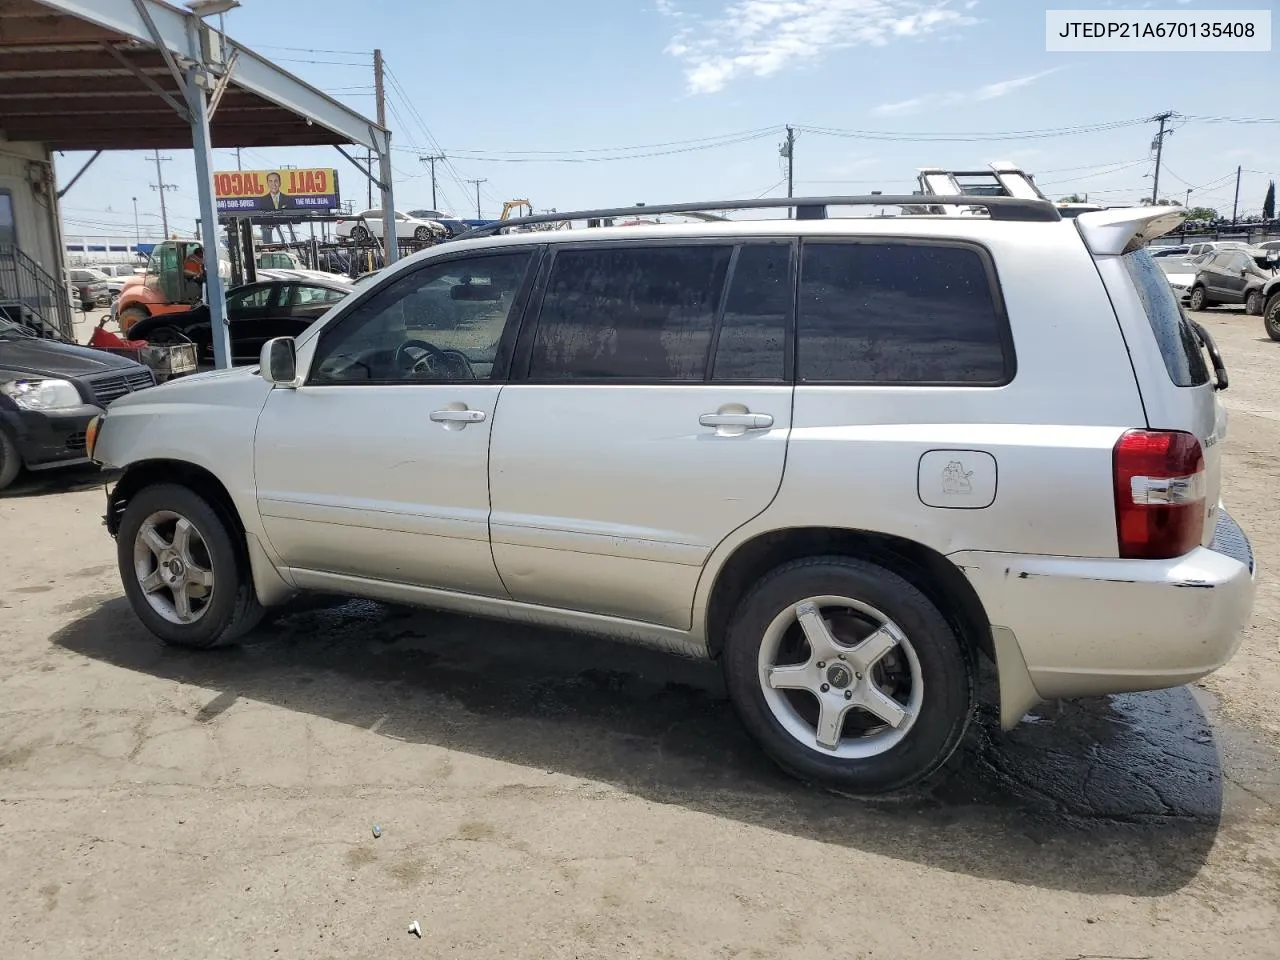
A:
(142, 74)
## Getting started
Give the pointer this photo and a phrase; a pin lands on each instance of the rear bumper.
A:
(1087, 627)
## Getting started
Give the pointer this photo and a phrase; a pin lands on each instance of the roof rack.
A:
(807, 208)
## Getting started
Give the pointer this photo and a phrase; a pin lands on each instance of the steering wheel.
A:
(461, 362)
(435, 360)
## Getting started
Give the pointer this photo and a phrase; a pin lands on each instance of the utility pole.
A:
(1159, 145)
(477, 183)
(1187, 203)
(137, 233)
(1235, 204)
(432, 160)
(238, 166)
(788, 150)
(162, 187)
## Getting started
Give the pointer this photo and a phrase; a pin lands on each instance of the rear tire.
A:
(10, 462)
(792, 696)
(1271, 317)
(160, 564)
(359, 234)
(1198, 300)
(1253, 304)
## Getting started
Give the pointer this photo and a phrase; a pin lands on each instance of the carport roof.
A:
(70, 77)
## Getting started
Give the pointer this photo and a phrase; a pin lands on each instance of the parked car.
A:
(771, 442)
(1180, 273)
(1270, 245)
(280, 304)
(452, 224)
(49, 392)
(1234, 275)
(369, 224)
(1179, 250)
(90, 286)
(1212, 246)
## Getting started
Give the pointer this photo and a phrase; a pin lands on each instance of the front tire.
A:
(1253, 304)
(129, 316)
(846, 674)
(359, 234)
(1198, 299)
(186, 577)
(10, 461)
(422, 234)
(1271, 317)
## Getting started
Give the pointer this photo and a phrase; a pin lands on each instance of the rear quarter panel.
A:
(853, 460)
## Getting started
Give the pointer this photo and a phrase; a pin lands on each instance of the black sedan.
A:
(49, 391)
(256, 312)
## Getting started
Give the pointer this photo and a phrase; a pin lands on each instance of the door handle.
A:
(457, 416)
(752, 421)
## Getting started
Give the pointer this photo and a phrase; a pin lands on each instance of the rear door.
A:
(648, 419)
(247, 310)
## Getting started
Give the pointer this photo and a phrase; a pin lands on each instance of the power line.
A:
(353, 53)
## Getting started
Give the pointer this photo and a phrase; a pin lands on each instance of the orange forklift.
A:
(174, 282)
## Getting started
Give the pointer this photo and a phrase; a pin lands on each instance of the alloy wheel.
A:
(172, 564)
(840, 677)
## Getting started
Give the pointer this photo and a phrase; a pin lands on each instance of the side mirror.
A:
(279, 362)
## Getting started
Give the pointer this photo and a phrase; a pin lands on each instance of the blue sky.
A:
(484, 79)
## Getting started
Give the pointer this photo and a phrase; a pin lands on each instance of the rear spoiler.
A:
(1120, 231)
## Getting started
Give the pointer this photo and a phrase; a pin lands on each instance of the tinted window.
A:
(1177, 342)
(629, 312)
(757, 311)
(249, 298)
(440, 322)
(303, 294)
(899, 313)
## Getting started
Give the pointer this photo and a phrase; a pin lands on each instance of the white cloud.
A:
(762, 37)
(991, 91)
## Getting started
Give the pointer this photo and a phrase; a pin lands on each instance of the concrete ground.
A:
(543, 795)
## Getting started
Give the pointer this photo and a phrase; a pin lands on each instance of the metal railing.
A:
(32, 296)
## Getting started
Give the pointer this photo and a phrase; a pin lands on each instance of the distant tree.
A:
(1074, 198)
(1202, 213)
(1269, 204)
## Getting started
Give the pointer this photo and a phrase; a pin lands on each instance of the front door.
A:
(377, 467)
(647, 419)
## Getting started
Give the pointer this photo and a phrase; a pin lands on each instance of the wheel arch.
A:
(928, 570)
(270, 586)
(145, 473)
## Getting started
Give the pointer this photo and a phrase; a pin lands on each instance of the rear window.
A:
(900, 313)
(1178, 344)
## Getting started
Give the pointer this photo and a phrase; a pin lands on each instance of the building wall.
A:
(35, 207)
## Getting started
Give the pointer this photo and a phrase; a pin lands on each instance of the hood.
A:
(30, 356)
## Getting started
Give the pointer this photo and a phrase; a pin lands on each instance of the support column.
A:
(214, 295)
(390, 239)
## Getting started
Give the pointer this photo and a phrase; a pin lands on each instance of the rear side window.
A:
(752, 341)
(629, 313)
(1178, 344)
(900, 313)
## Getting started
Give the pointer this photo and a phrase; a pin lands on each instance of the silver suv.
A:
(848, 457)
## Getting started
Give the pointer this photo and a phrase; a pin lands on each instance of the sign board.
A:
(269, 191)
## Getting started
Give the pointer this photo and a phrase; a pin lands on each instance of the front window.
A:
(440, 323)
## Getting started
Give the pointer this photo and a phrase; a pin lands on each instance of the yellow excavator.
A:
(522, 208)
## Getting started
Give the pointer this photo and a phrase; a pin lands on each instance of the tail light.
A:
(1160, 488)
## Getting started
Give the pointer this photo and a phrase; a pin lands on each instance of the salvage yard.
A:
(544, 795)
